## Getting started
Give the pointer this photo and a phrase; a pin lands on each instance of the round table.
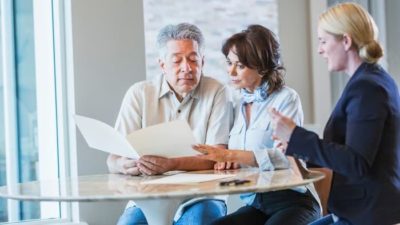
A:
(158, 201)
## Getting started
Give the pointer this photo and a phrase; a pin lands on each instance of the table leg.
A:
(159, 211)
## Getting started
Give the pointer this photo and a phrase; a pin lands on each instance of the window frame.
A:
(10, 105)
(54, 88)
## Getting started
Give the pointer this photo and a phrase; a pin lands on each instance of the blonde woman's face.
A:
(332, 50)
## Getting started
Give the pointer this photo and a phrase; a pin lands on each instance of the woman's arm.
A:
(224, 155)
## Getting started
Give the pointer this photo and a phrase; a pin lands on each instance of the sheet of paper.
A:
(171, 139)
(101, 136)
(183, 178)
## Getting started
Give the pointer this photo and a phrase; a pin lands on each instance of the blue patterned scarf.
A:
(259, 95)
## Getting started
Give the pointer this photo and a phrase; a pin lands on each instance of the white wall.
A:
(108, 51)
(306, 72)
(294, 38)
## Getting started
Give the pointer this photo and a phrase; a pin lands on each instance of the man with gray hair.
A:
(180, 93)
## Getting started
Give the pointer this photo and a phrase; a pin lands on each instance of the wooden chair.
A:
(323, 187)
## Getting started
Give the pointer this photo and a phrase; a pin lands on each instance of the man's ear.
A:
(347, 41)
(162, 65)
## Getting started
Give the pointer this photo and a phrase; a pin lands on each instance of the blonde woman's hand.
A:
(282, 126)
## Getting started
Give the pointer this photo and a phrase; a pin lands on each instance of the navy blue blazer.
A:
(361, 145)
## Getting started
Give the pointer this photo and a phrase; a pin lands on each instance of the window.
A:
(32, 109)
(3, 202)
(26, 101)
(217, 19)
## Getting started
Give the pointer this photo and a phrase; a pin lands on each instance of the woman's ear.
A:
(347, 41)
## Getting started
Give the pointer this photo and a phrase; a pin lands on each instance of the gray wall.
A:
(295, 42)
(108, 51)
(392, 38)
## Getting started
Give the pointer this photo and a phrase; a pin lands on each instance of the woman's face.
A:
(332, 50)
(241, 76)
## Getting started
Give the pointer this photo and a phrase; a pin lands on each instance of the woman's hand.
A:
(226, 158)
(212, 153)
(226, 166)
(283, 126)
(282, 146)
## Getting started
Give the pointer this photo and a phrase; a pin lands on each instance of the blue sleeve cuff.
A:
(271, 159)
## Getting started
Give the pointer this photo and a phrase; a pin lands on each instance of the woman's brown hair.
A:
(257, 48)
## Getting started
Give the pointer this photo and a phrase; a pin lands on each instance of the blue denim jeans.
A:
(328, 220)
(200, 213)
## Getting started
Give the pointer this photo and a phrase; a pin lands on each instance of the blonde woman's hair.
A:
(352, 19)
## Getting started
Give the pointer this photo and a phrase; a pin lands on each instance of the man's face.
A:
(182, 65)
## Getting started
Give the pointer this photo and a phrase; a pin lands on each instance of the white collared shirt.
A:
(207, 109)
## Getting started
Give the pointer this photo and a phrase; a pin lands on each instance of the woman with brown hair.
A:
(255, 68)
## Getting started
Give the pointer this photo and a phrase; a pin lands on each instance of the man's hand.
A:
(118, 164)
(283, 126)
(153, 165)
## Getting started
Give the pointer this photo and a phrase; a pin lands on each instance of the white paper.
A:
(183, 178)
(103, 137)
(171, 139)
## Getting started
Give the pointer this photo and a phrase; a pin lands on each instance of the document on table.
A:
(170, 139)
(183, 178)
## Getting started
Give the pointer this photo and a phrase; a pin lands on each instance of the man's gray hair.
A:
(179, 31)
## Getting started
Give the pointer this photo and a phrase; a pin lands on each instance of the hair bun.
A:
(371, 52)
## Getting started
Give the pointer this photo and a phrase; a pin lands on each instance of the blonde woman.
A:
(361, 141)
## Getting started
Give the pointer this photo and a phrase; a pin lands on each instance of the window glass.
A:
(26, 100)
(3, 202)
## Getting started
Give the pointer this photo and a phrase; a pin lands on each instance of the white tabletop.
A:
(119, 187)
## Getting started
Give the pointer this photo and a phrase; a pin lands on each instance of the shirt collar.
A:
(196, 92)
(165, 89)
